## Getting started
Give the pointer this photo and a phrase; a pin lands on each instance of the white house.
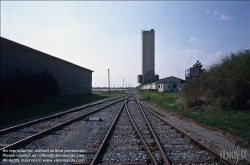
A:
(166, 84)
(149, 86)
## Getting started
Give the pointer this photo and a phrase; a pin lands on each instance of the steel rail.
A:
(52, 116)
(104, 141)
(148, 152)
(162, 153)
(20, 142)
(212, 153)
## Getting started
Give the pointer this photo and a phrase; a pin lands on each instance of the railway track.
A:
(138, 136)
(178, 147)
(130, 134)
(121, 144)
(18, 135)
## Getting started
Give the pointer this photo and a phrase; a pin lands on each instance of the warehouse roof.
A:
(170, 79)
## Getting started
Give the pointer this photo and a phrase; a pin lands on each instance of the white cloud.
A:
(192, 51)
(221, 16)
(215, 12)
(211, 59)
(224, 17)
(193, 54)
(192, 39)
(215, 56)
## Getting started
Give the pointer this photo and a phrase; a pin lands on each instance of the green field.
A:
(52, 104)
(231, 121)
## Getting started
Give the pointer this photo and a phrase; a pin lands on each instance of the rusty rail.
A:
(206, 148)
(161, 151)
(148, 152)
(104, 141)
(21, 142)
(52, 116)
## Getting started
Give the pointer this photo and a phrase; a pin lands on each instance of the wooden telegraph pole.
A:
(109, 81)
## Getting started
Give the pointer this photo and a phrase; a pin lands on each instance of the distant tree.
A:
(199, 65)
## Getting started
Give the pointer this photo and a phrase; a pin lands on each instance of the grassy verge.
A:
(231, 121)
(52, 104)
(158, 113)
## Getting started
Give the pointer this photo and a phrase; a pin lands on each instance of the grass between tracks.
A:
(231, 121)
(52, 104)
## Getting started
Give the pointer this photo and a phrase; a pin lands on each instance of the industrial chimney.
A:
(148, 58)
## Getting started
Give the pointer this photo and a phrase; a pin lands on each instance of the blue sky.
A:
(107, 34)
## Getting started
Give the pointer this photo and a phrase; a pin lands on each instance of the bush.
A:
(28, 87)
(225, 84)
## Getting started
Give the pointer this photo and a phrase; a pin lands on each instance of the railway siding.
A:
(127, 133)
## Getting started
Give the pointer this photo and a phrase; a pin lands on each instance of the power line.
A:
(48, 43)
(31, 34)
(25, 36)
(39, 42)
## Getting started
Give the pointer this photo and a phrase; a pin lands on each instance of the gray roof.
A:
(170, 79)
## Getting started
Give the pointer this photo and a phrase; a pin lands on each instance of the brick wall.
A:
(72, 79)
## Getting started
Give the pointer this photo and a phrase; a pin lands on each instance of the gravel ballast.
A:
(74, 137)
(212, 137)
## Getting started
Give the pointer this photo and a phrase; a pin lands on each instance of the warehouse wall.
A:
(72, 79)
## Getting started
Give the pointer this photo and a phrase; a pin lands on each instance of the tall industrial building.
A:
(148, 58)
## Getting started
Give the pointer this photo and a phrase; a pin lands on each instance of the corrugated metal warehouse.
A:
(71, 78)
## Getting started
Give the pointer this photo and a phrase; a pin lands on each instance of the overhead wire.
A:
(35, 40)
(48, 43)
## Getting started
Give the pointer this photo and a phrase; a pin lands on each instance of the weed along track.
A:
(180, 148)
(119, 131)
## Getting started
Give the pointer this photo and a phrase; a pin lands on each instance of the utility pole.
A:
(194, 92)
(109, 81)
(179, 81)
(186, 81)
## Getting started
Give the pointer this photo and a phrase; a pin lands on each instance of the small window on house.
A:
(169, 86)
(159, 86)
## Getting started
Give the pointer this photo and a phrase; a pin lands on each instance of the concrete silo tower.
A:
(148, 58)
